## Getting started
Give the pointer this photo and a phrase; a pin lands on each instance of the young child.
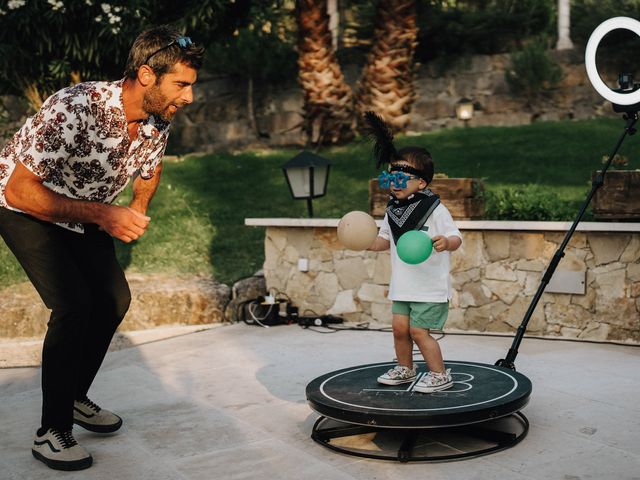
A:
(420, 293)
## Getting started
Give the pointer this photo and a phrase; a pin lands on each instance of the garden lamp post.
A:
(464, 110)
(307, 175)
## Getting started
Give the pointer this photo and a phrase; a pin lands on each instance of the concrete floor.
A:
(229, 403)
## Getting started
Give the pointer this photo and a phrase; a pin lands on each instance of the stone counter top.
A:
(462, 225)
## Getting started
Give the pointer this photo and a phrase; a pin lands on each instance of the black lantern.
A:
(307, 175)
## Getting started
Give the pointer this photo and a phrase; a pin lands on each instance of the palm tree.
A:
(328, 99)
(386, 83)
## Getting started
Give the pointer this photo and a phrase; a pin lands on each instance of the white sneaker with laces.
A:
(60, 451)
(398, 375)
(434, 382)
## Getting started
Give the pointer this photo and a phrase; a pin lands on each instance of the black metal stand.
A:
(509, 362)
(422, 444)
(310, 207)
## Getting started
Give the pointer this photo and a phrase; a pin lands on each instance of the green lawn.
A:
(199, 210)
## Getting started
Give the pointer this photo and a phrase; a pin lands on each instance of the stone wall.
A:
(157, 300)
(218, 117)
(495, 275)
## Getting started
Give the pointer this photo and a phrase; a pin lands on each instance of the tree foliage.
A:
(460, 27)
(479, 26)
(48, 44)
(619, 49)
(262, 49)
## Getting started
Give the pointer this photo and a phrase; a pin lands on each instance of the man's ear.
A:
(146, 76)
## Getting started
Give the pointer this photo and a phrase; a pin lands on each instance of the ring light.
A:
(590, 59)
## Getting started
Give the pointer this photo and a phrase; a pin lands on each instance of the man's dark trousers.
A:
(79, 279)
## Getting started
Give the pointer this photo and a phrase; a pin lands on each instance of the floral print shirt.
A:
(78, 143)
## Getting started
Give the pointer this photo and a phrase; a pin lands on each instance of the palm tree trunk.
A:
(328, 99)
(386, 83)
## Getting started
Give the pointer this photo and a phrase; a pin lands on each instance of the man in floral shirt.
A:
(58, 178)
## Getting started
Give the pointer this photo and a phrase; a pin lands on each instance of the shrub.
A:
(529, 202)
(479, 26)
(263, 50)
(532, 71)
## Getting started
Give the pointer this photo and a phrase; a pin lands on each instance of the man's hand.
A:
(123, 223)
(25, 191)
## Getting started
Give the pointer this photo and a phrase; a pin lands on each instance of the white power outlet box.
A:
(303, 264)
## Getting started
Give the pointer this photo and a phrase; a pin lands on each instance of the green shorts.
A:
(429, 315)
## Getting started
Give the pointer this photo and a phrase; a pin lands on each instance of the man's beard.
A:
(156, 104)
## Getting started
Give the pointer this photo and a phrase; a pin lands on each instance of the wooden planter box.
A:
(619, 196)
(462, 196)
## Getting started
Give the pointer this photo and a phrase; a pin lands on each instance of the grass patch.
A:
(199, 210)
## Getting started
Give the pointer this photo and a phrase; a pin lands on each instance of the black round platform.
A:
(478, 415)
(480, 392)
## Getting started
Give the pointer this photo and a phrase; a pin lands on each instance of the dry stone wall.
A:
(157, 300)
(218, 117)
(494, 274)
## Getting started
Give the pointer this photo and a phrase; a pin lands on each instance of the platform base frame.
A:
(405, 451)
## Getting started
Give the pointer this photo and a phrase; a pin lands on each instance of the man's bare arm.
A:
(26, 192)
(144, 190)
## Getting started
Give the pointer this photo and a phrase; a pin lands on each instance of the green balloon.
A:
(414, 247)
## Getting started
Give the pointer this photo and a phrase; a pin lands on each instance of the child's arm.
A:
(379, 245)
(441, 243)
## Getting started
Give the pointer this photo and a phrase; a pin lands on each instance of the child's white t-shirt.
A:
(428, 281)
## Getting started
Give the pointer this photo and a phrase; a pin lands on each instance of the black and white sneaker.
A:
(95, 419)
(60, 451)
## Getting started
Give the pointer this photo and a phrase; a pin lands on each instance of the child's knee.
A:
(417, 332)
(401, 333)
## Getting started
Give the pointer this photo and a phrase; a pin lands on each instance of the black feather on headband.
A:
(383, 149)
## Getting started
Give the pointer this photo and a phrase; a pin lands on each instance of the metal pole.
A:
(311, 193)
(509, 361)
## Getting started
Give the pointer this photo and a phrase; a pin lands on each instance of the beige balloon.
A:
(357, 230)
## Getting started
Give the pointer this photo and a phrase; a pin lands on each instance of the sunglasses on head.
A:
(182, 42)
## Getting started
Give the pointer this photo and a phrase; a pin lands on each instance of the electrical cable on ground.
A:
(307, 322)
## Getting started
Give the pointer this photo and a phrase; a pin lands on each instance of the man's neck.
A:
(132, 95)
